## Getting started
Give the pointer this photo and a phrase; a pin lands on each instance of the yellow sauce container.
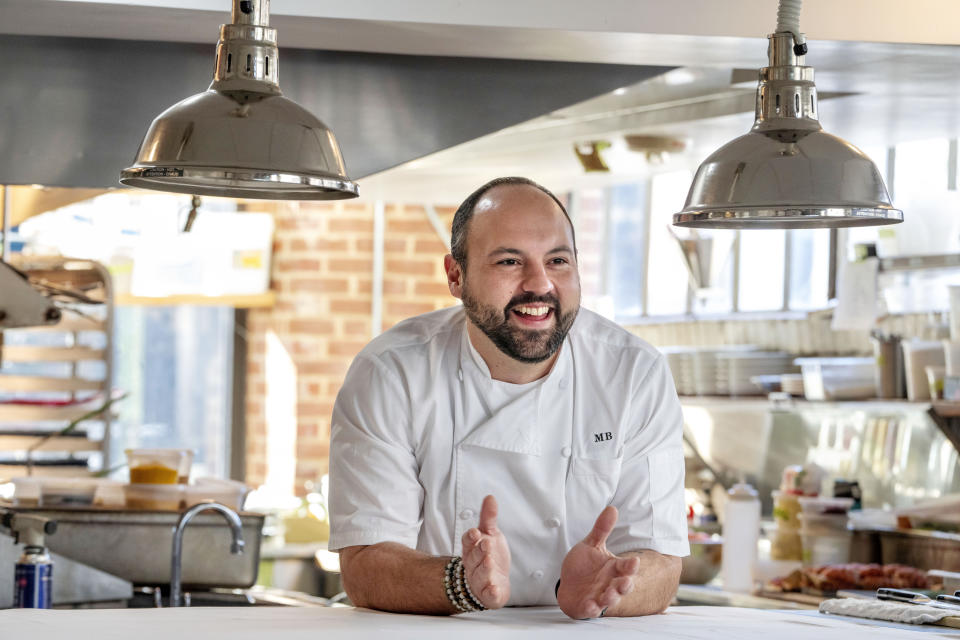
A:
(153, 474)
(159, 466)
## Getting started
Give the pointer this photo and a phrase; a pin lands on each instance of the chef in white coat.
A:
(515, 450)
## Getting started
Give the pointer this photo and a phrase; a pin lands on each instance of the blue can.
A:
(33, 579)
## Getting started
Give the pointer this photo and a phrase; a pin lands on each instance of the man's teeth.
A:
(533, 311)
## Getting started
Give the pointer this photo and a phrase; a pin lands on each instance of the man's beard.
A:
(524, 345)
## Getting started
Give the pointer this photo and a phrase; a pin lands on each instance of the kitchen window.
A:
(647, 275)
(176, 365)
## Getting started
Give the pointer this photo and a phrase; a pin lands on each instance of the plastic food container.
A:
(786, 543)
(917, 356)
(951, 356)
(822, 549)
(110, 494)
(26, 492)
(229, 493)
(66, 492)
(155, 497)
(824, 506)
(825, 536)
(838, 378)
(159, 466)
(55, 492)
(935, 376)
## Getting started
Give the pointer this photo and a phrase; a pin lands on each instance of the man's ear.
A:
(454, 275)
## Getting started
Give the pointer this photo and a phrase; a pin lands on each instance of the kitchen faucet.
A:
(236, 547)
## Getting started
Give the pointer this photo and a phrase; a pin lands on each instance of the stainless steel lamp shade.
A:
(241, 138)
(787, 173)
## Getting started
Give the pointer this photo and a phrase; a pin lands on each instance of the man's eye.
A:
(559, 261)
(509, 261)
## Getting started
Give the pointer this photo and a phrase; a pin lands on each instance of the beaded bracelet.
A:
(474, 599)
(466, 597)
(456, 587)
(449, 580)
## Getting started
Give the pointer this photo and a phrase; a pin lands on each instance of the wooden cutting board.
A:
(795, 596)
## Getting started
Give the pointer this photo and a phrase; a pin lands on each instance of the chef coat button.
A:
(565, 452)
(466, 514)
(553, 523)
(537, 575)
(563, 383)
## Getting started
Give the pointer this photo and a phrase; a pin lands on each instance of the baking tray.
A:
(136, 545)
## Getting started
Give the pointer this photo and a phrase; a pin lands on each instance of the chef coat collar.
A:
(558, 375)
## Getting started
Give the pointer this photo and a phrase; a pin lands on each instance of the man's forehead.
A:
(515, 213)
(515, 198)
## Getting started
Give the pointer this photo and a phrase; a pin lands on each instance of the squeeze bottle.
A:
(741, 531)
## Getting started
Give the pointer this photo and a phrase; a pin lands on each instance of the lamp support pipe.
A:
(5, 215)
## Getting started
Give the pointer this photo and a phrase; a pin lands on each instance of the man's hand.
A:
(486, 559)
(591, 578)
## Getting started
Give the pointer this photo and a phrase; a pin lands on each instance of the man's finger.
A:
(623, 584)
(609, 597)
(602, 527)
(473, 557)
(488, 515)
(593, 608)
(628, 566)
(471, 537)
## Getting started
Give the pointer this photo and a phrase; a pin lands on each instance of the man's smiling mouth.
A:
(533, 312)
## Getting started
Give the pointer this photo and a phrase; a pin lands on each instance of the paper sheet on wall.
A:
(548, 623)
(856, 296)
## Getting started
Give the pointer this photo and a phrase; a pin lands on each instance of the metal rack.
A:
(916, 263)
(45, 381)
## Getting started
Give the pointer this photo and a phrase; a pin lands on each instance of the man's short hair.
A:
(461, 219)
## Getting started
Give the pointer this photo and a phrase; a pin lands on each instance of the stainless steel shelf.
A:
(73, 445)
(33, 413)
(917, 263)
(70, 323)
(19, 353)
(40, 383)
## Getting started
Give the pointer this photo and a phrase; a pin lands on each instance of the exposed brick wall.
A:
(322, 274)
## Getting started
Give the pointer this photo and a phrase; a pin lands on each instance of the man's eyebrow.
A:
(517, 252)
(509, 250)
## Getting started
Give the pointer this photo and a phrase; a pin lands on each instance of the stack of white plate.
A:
(705, 372)
(792, 383)
(734, 369)
(680, 362)
(709, 372)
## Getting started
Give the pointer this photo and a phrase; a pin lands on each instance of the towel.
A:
(886, 610)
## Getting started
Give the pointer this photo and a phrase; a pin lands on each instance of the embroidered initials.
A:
(601, 437)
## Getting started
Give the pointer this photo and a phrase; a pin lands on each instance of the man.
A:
(519, 396)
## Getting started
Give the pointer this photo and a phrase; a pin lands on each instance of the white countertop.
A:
(282, 623)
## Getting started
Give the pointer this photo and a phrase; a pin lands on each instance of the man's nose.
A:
(536, 279)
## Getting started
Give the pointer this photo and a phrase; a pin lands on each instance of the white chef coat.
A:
(421, 433)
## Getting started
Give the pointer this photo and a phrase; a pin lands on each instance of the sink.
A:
(135, 545)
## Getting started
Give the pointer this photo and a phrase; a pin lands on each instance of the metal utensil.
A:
(911, 597)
